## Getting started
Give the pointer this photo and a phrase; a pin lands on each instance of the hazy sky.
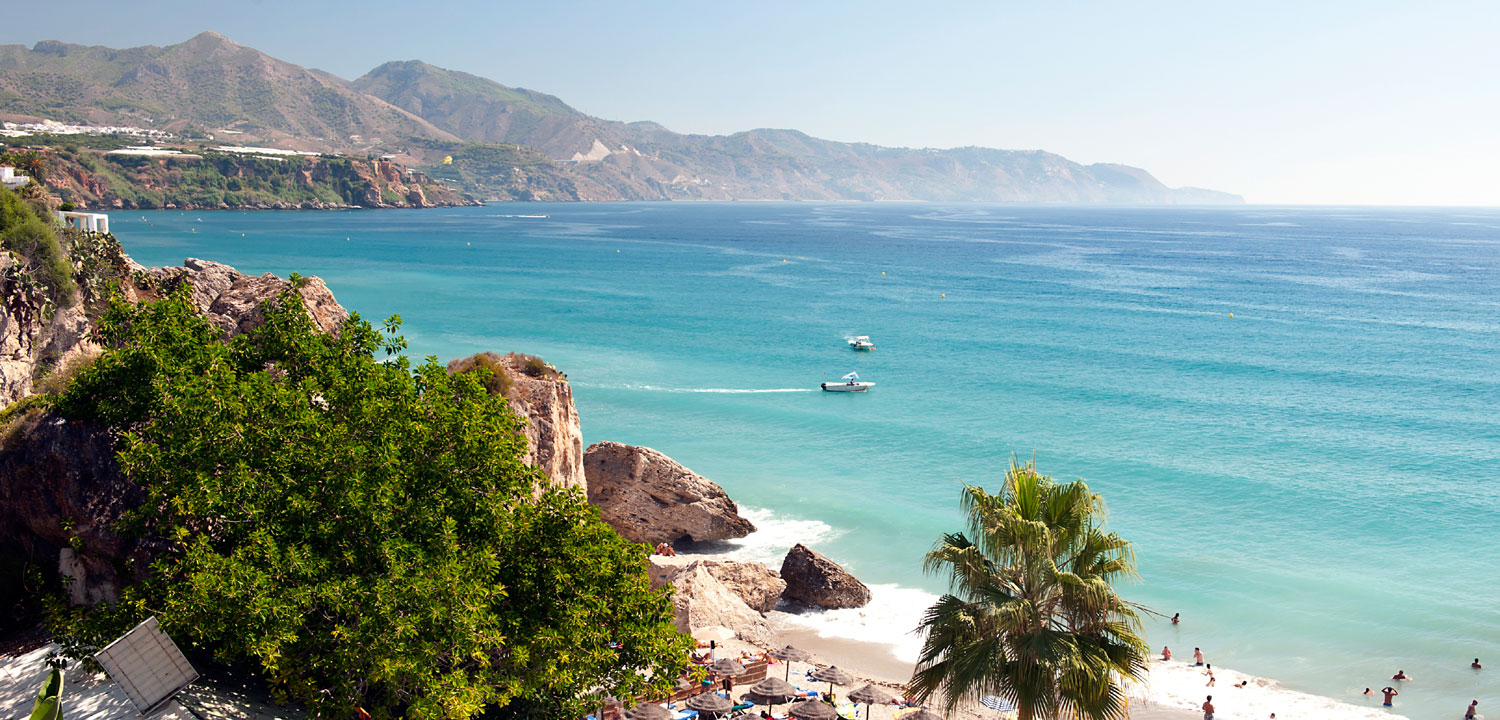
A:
(1300, 102)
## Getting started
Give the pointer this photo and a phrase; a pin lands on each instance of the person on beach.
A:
(1400, 675)
(1176, 618)
(1197, 657)
(1210, 674)
(1166, 653)
(1473, 711)
(1208, 708)
(1390, 692)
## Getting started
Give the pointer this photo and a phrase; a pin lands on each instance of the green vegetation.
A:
(1031, 615)
(360, 532)
(48, 705)
(511, 172)
(43, 276)
(488, 367)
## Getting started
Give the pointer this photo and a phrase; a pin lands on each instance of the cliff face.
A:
(232, 299)
(648, 497)
(31, 344)
(543, 398)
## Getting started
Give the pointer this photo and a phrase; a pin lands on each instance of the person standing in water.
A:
(1166, 653)
(1476, 664)
(1473, 711)
(1197, 656)
(1176, 618)
(1390, 692)
(1208, 708)
(1400, 675)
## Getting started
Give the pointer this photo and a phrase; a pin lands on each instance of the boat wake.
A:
(729, 391)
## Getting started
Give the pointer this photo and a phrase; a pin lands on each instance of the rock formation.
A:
(815, 580)
(701, 600)
(60, 494)
(232, 299)
(758, 586)
(554, 438)
(649, 498)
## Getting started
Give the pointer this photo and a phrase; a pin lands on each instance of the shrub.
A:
(360, 532)
(490, 368)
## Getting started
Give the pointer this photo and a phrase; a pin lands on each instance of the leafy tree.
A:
(363, 533)
(1031, 615)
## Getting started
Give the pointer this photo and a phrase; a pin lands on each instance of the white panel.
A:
(147, 665)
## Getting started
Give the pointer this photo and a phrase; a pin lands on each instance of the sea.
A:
(1293, 413)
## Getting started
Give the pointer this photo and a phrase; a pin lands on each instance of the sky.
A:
(1326, 102)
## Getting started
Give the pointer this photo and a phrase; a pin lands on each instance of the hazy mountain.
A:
(207, 83)
(648, 159)
(425, 113)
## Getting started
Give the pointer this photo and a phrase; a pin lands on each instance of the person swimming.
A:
(1400, 675)
(1475, 664)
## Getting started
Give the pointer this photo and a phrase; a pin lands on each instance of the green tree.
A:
(1031, 615)
(361, 532)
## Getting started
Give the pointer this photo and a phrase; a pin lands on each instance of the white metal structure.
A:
(147, 665)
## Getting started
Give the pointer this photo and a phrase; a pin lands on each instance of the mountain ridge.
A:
(427, 115)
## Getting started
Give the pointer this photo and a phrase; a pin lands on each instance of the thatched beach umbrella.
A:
(771, 692)
(789, 655)
(833, 676)
(727, 667)
(812, 710)
(649, 711)
(870, 695)
(922, 714)
(710, 702)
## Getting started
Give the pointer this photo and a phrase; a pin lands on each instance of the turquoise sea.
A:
(1313, 482)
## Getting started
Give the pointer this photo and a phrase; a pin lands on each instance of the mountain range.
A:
(211, 87)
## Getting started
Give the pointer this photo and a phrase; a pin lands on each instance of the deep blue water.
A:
(1311, 482)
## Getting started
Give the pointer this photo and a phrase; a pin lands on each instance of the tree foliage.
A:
(363, 533)
(1031, 615)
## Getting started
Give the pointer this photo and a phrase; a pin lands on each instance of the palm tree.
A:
(1031, 615)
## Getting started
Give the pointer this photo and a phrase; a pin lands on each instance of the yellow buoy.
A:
(945, 295)
(882, 273)
(1231, 314)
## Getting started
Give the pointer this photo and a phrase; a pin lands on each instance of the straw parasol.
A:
(790, 655)
(922, 714)
(709, 702)
(812, 710)
(870, 695)
(649, 711)
(770, 692)
(716, 633)
(833, 676)
(726, 666)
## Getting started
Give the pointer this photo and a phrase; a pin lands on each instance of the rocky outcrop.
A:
(758, 586)
(542, 396)
(232, 299)
(649, 498)
(812, 579)
(699, 600)
(32, 343)
(61, 492)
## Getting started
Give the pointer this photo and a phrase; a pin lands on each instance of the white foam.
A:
(774, 535)
(890, 619)
(715, 390)
(1178, 684)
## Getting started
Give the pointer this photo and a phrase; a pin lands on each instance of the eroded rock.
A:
(649, 498)
(812, 579)
(757, 585)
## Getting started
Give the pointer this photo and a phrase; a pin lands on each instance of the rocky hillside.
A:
(205, 83)
(92, 178)
(426, 115)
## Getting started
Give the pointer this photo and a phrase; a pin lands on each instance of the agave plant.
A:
(48, 704)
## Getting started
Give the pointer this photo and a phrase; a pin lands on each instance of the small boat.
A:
(849, 383)
(862, 343)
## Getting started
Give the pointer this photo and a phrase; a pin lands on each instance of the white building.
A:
(92, 222)
(10, 179)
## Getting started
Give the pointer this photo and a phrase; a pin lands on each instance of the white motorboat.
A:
(862, 343)
(848, 383)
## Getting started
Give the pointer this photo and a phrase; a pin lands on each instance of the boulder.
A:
(700, 600)
(649, 498)
(758, 586)
(812, 579)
